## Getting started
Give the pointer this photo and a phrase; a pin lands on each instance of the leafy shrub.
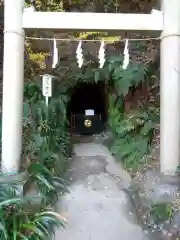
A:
(133, 137)
(22, 219)
(161, 212)
(45, 151)
(47, 145)
(46, 128)
(133, 131)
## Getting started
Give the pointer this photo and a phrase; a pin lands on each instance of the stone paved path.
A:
(97, 208)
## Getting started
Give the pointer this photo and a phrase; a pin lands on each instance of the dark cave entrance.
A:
(88, 108)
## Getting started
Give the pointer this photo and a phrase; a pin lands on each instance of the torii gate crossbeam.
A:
(13, 70)
(106, 22)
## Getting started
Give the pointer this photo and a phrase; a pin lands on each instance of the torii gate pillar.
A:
(13, 79)
(170, 88)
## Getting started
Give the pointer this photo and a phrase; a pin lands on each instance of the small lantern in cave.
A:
(87, 123)
(86, 110)
(88, 113)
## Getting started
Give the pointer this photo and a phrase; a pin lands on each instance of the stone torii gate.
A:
(166, 24)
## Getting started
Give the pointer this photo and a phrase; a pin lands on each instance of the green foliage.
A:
(133, 137)
(111, 73)
(49, 5)
(96, 5)
(161, 212)
(48, 184)
(33, 94)
(21, 219)
(46, 147)
(125, 79)
(48, 139)
(133, 133)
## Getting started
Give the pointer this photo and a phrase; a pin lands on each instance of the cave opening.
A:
(88, 108)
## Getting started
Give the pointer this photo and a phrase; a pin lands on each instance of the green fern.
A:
(133, 135)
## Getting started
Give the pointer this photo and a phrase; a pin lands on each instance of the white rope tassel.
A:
(126, 55)
(79, 54)
(101, 56)
(55, 54)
